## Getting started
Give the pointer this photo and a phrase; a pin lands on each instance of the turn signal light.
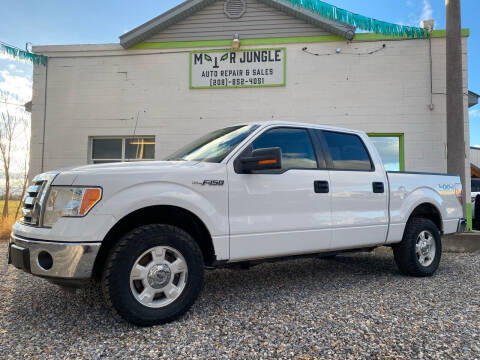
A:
(270, 161)
(458, 193)
(90, 198)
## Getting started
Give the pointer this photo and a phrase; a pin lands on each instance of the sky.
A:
(53, 22)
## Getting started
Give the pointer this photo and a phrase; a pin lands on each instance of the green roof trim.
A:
(277, 41)
(443, 33)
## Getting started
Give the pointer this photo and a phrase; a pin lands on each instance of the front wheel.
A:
(420, 251)
(153, 275)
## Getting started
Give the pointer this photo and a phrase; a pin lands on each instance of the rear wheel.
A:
(153, 275)
(420, 251)
(477, 213)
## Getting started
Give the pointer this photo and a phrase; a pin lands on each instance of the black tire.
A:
(476, 221)
(405, 252)
(116, 275)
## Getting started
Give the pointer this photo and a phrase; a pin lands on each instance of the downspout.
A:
(456, 152)
(44, 117)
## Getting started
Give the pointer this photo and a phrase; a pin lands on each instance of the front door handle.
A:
(378, 187)
(321, 187)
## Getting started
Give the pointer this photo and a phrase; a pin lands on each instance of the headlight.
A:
(69, 201)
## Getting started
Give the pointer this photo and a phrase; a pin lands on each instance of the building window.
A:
(391, 150)
(117, 149)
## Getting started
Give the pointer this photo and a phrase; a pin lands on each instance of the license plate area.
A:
(19, 257)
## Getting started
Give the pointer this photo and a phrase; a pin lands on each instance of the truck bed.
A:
(409, 190)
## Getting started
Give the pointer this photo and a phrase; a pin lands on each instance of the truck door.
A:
(358, 190)
(280, 212)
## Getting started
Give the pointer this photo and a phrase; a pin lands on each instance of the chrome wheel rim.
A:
(425, 248)
(158, 276)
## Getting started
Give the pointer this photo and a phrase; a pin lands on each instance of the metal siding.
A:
(259, 21)
(475, 156)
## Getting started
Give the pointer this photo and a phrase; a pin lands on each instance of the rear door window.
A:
(296, 146)
(348, 151)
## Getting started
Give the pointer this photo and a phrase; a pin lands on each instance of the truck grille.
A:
(31, 206)
(35, 197)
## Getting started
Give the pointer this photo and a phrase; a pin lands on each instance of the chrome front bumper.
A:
(53, 259)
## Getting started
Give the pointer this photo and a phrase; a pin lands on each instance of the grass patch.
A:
(7, 223)
(12, 206)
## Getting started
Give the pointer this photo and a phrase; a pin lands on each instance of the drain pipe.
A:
(456, 153)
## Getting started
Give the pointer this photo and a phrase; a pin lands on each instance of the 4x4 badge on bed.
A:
(209, 182)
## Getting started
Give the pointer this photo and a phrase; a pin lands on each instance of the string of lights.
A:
(339, 51)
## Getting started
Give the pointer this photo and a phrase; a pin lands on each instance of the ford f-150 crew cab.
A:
(146, 230)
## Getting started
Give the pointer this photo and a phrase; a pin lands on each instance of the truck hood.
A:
(88, 174)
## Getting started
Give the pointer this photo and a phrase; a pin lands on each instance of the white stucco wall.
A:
(95, 90)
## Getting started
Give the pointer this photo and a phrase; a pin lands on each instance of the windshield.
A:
(215, 146)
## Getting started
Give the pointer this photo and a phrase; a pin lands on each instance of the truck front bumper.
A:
(52, 259)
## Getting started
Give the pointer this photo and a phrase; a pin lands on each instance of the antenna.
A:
(136, 123)
(135, 131)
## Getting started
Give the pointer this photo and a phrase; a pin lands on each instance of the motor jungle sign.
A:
(212, 69)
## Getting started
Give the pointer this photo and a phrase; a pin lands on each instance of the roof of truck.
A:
(293, 123)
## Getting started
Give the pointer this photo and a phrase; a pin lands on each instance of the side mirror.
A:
(262, 159)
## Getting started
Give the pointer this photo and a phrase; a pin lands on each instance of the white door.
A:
(281, 212)
(358, 190)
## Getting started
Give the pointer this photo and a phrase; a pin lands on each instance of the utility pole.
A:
(455, 120)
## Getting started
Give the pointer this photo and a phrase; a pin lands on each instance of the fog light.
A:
(45, 260)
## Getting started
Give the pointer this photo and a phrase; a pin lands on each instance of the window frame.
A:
(317, 151)
(91, 139)
(401, 146)
(475, 181)
(328, 156)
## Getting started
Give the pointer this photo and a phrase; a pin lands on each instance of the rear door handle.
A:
(321, 187)
(378, 187)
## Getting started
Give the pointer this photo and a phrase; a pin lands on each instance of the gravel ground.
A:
(355, 306)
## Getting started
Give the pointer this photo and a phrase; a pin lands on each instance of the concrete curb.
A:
(468, 242)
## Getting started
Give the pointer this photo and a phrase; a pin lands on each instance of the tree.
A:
(13, 137)
(25, 133)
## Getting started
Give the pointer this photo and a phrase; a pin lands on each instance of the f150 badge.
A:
(209, 182)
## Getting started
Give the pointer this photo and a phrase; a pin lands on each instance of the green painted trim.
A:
(401, 145)
(278, 40)
(239, 86)
(469, 217)
(190, 69)
(443, 33)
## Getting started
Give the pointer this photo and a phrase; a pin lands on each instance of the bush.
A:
(6, 226)
(7, 223)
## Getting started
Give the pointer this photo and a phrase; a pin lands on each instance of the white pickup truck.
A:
(243, 194)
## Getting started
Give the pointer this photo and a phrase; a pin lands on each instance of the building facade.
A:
(181, 75)
(475, 161)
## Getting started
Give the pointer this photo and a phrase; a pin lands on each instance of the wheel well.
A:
(161, 214)
(428, 211)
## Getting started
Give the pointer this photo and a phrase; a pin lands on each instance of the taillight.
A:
(458, 193)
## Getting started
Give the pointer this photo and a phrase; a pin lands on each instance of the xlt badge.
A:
(209, 182)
